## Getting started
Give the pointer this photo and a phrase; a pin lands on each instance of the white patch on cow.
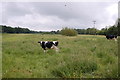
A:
(46, 42)
(41, 42)
(54, 42)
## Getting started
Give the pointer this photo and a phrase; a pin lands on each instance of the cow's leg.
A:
(56, 48)
(115, 39)
(44, 50)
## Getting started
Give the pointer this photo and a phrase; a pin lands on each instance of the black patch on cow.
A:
(115, 36)
(111, 36)
(42, 44)
(49, 44)
(56, 43)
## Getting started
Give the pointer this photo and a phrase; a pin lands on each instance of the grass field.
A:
(83, 56)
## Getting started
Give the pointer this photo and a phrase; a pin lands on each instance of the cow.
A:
(49, 45)
(111, 37)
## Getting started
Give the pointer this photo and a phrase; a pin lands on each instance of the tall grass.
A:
(83, 56)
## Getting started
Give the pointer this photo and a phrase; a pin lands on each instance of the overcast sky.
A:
(47, 16)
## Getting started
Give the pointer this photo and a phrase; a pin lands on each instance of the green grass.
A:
(82, 56)
(0, 56)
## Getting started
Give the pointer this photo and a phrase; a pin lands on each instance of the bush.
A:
(68, 32)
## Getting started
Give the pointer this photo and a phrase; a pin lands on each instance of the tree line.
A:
(9, 29)
(113, 30)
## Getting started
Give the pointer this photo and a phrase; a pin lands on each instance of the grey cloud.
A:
(55, 15)
(71, 10)
(16, 9)
(12, 9)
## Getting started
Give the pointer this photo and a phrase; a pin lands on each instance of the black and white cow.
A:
(111, 37)
(49, 45)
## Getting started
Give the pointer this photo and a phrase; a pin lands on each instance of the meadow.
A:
(81, 56)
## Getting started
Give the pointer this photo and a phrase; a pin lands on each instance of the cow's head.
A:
(55, 43)
(40, 42)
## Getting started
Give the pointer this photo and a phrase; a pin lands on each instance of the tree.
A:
(118, 26)
(92, 31)
(102, 31)
(8, 29)
(112, 31)
(81, 31)
(68, 32)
